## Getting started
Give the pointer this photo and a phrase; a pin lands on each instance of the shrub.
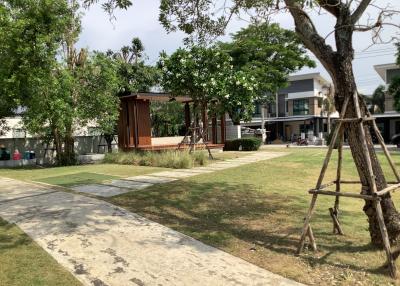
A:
(247, 144)
(167, 159)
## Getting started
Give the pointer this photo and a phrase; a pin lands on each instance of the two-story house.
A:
(298, 109)
(389, 121)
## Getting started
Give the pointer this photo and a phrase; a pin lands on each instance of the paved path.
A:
(102, 244)
(117, 187)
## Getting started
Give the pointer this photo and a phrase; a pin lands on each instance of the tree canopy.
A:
(31, 33)
(232, 76)
(134, 75)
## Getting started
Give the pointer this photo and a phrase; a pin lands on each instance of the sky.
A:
(141, 20)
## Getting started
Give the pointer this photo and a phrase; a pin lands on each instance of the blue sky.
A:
(141, 20)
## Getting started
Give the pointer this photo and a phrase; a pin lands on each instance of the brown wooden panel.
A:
(223, 129)
(131, 123)
(214, 132)
(143, 122)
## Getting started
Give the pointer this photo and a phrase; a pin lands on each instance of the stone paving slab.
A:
(129, 184)
(12, 189)
(102, 244)
(100, 190)
(173, 174)
(151, 179)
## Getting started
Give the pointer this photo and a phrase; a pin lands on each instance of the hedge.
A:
(247, 144)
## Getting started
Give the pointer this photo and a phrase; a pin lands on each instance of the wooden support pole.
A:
(331, 145)
(385, 239)
(389, 189)
(310, 235)
(342, 194)
(386, 151)
(336, 225)
(306, 225)
(373, 189)
(339, 169)
(351, 120)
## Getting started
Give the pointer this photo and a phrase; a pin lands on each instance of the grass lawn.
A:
(77, 175)
(25, 263)
(256, 212)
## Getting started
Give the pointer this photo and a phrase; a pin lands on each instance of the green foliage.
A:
(167, 159)
(244, 144)
(232, 76)
(134, 75)
(394, 88)
(269, 53)
(167, 118)
(98, 101)
(30, 34)
(208, 76)
(378, 99)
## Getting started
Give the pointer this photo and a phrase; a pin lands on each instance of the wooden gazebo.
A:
(134, 125)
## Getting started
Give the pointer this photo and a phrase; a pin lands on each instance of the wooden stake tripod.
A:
(376, 195)
(195, 133)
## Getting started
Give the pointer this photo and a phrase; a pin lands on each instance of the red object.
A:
(17, 156)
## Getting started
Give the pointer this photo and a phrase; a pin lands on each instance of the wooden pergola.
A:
(134, 124)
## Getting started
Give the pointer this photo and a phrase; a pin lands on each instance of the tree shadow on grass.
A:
(221, 213)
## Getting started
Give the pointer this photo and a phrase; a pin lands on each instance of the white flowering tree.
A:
(207, 75)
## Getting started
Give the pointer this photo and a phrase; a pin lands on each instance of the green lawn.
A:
(24, 263)
(256, 212)
(77, 175)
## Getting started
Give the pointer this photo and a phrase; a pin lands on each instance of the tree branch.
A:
(308, 34)
(332, 6)
(360, 10)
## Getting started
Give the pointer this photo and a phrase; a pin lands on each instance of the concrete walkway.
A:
(117, 187)
(102, 244)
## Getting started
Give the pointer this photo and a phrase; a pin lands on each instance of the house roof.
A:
(381, 69)
(314, 75)
(155, 96)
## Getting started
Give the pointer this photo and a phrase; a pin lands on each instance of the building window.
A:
(300, 107)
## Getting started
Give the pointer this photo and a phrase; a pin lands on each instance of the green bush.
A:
(166, 159)
(247, 144)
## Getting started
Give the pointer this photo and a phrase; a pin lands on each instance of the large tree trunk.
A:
(345, 87)
(339, 65)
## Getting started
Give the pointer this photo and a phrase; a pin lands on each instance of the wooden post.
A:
(306, 225)
(332, 144)
(204, 118)
(335, 211)
(214, 137)
(373, 189)
(385, 150)
(223, 129)
(187, 116)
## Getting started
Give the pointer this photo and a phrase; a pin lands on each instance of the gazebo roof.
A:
(154, 96)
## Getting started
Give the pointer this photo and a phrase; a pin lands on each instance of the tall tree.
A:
(30, 34)
(133, 73)
(208, 77)
(79, 88)
(204, 19)
(378, 99)
(269, 53)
